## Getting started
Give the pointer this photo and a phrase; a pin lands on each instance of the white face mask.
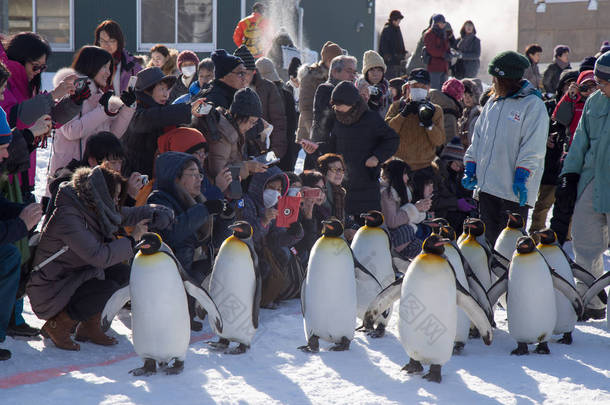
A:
(270, 197)
(418, 94)
(189, 71)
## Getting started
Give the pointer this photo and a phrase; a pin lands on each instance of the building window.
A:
(50, 18)
(180, 24)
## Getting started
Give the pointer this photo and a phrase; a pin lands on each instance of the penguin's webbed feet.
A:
(240, 349)
(312, 346)
(220, 345)
(149, 368)
(458, 348)
(474, 333)
(413, 366)
(566, 339)
(176, 368)
(434, 374)
(377, 332)
(542, 348)
(341, 346)
(521, 349)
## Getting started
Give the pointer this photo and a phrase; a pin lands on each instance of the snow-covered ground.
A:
(274, 371)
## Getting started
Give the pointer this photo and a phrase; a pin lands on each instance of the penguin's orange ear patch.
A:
(147, 246)
(329, 226)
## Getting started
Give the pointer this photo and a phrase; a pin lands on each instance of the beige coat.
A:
(311, 77)
(228, 149)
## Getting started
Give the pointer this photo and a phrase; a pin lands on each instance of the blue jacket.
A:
(12, 228)
(182, 235)
(589, 154)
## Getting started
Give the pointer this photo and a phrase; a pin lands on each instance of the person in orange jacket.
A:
(251, 31)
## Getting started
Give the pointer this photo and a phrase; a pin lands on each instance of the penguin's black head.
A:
(332, 227)
(448, 232)
(475, 226)
(241, 229)
(525, 244)
(150, 243)
(436, 224)
(515, 220)
(434, 244)
(547, 236)
(372, 218)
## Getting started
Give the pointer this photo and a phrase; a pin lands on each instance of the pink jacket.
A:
(70, 139)
(396, 215)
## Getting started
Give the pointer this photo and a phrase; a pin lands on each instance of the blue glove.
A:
(519, 188)
(469, 181)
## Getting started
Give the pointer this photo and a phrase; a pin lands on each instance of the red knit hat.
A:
(181, 139)
(585, 76)
(187, 56)
(454, 88)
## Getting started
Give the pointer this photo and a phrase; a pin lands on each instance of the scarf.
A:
(93, 193)
(563, 65)
(354, 114)
(338, 201)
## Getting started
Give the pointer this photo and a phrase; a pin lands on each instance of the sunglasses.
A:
(587, 87)
(38, 68)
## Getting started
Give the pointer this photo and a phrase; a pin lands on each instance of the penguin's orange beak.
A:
(441, 242)
(142, 245)
(329, 226)
(470, 226)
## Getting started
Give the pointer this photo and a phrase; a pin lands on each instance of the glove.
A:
(469, 181)
(425, 113)
(228, 212)
(567, 192)
(464, 205)
(162, 216)
(128, 97)
(409, 108)
(519, 181)
(81, 95)
(214, 206)
(104, 103)
(294, 229)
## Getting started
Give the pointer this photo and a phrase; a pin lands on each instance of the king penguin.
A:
(236, 285)
(475, 253)
(328, 293)
(531, 307)
(429, 295)
(566, 268)
(507, 240)
(159, 309)
(371, 247)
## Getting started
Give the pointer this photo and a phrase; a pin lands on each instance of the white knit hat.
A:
(372, 59)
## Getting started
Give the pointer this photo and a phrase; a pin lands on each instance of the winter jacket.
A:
(417, 144)
(448, 189)
(218, 93)
(452, 111)
(395, 214)
(182, 235)
(227, 147)
(76, 225)
(292, 117)
(251, 32)
(466, 123)
(273, 112)
(369, 136)
(129, 66)
(180, 88)
(511, 132)
(282, 39)
(415, 61)
(382, 99)
(12, 228)
(568, 112)
(532, 75)
(149, 122)
(391, 45)
(69, 141)
(311, 77)
(470, 61)
(551, 77)
(323, 114)
(437, 46)
(590, 149)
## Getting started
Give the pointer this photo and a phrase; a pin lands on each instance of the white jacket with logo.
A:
(510, 132)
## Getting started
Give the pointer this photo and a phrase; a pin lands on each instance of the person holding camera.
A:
(373, 75)
(420, 126)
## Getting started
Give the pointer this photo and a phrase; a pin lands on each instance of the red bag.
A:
(287, 208)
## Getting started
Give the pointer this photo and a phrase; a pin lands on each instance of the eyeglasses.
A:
(201, 154)
(240, 73)
(38, 68)
(588, 87)
(336, 170)
(108, 42)
(196, 175)
(602, 83)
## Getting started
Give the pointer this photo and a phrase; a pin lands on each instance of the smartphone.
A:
(311, 192)
(235, 191)
(131, 84)
(204, 108)
(268, 158)
(80, 83)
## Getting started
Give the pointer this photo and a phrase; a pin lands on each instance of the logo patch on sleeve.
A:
(514, 116)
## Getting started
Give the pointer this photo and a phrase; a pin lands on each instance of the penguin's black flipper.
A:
(501, 259)
(596, 288)
(206, 302)
(303, 296)
(363, 269)
(480, 295)
(497, 267)
(256, 305)
(114, 305)
(497, 289)
(579, 272)
(382, 302)
(564, 286)
(474, 311)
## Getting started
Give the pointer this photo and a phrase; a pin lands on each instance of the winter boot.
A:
(91, 330)
(58, 329)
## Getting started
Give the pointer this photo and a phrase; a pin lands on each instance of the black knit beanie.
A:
(244, 54)
(224, 63)
(246, 103)
(345, 93)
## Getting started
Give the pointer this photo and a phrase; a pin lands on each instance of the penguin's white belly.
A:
(566, 316)
(232, 287)
(477, 258)
(506, 244)
(159, 310)
(371, 248)
(463, 322)
(427, 311)
(531, 299)
(330, 291)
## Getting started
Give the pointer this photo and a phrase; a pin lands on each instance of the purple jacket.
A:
(129, 67)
